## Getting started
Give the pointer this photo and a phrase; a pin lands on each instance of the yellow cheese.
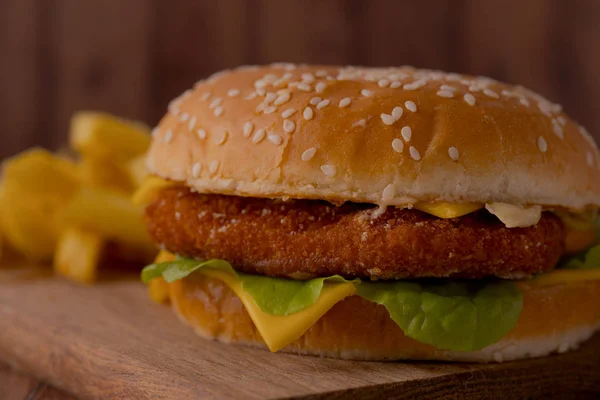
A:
(448, 210)
(279, 331)
(563, 276)
(150, 189)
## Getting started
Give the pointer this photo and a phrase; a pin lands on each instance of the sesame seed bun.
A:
(386, 136)
(554, 319)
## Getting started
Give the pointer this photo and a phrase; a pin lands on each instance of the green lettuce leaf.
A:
(449, 315)
(588, 259)
(456, 316)
(180, 268)
(278, 296)
(273, 296)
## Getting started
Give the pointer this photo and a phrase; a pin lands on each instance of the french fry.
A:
(105, 137)
(150, 189)
(159, 290)
(110, 214)
(137, 171)
(36, 187)
(105, 174)
(78, 255)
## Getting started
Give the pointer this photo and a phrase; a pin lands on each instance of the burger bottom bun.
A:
(554, 319)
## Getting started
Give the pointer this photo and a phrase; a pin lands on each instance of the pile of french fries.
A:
(64, 210)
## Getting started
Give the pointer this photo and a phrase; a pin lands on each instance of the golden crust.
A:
(305, 239)
(555, 318)
(510, 146)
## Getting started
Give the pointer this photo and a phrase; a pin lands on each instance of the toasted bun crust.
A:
(554, 319)
(459, 138)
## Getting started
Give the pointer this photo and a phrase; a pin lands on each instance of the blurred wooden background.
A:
(130, 57)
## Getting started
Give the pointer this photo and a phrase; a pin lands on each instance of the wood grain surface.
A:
(15, 385)
(110, 341)
(132, 57)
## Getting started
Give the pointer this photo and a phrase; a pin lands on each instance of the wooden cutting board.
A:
(109, 341)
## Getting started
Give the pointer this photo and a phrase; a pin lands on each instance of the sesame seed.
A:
(213, 166)
(415, 85)
(542, 144)
(184, 117)
(562, 120)
(218, 111)
(196, 169)
(491, 93)
(201, 134)
(233, 92)
(366, 93)
(469, 99)
(360, 122)
(524, 101)
(309, 154)
(308, 113)
(589, 158)
(448, 88)
(397, 113)
(274, 138)
(282, 98)
(270, 78)
(192, 123)
(251, 96)
(344, 102)
(168, 136)
(222, 139)
(270, 97)
(445, 93)
(329, 170)
(304, 87)
(398, 145)
(260, 84)
(322, 104)
(388, 193)
(387, 119)
(259, 135)
(320, 87)
(288, 113)
(414, 153)
(406, 133)
(261, 91)
(321, 73)
(155, 132)
(289, 126)
(315, 100)
(410, 106)
(383, 83)
(307, 76)
(205, 96)
(557, 129)
(395, 84)
(453, 153)
(248, 128)
(270, 110)
(216, 102)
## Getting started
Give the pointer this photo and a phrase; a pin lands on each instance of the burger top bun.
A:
(391, 136)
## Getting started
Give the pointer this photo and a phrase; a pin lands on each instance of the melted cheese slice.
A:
(278, 331)
(448, 210)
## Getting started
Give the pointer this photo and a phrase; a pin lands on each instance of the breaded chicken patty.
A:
(304, 239)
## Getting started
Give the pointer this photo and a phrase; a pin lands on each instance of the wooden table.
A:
(110, 341)
(15, 385)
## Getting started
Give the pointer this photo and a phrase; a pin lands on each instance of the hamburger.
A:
(375, 214)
